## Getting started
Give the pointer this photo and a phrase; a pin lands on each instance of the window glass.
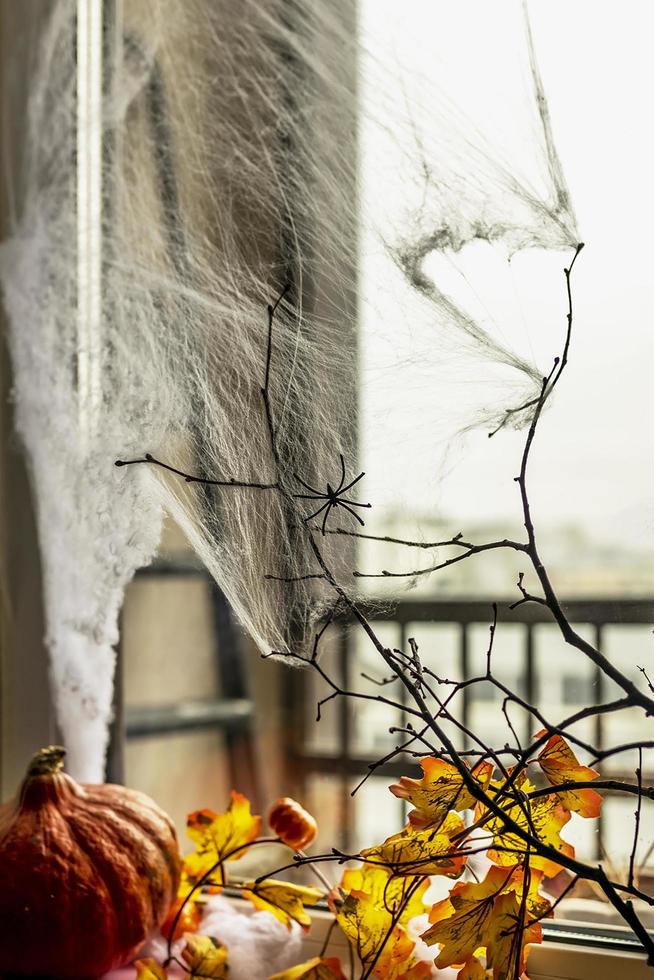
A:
(431, 468)
(432, 473)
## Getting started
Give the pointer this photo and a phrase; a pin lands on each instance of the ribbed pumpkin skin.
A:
(86, 873)
(294, 826)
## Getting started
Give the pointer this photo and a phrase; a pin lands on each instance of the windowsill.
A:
(561, 959)
(552, 960)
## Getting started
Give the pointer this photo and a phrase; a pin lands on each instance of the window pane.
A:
(429, 478)
(182, 772)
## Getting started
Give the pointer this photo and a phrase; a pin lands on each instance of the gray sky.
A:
(592, 463)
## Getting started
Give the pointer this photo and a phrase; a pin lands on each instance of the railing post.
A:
(598, 735)
(530, 678)
(464, 669)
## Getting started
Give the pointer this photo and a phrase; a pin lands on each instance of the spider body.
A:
(332, 498)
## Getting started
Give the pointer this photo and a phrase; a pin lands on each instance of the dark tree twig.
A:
(498, 802)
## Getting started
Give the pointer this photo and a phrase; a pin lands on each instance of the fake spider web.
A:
(229, 165)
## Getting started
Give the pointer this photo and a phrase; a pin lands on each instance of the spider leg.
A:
(324, 520)
(350, 485)
(307, 486)
(353, 513)
(340, 486)
(315, 513)
(310, 496)
(353, 503)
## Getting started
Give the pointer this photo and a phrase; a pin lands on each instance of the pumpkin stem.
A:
(47, 762)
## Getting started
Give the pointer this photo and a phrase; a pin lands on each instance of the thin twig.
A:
(639, 780)
(190, 478)
(476, 549)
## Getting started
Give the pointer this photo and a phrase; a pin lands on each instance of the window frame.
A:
(24, 680)
(26, 709)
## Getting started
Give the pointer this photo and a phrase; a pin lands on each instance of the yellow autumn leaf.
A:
(397, 961)
(538, 906)
(497, 788)
(419, 971)
(379, 899)
(318, 968)
(194, 867)
(487, 916)
(543, 817)
(387, 892)
(507, 938)
(560, 765)
(284, 900)
(223, 836)
(440, 789)
(472, 970)
(205, 958)
(149, 969)
(366, 925)
(422, 852)
(460, 922)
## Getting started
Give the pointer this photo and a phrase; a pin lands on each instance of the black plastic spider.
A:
(333, 498)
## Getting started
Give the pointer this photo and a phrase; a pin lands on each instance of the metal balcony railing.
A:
(347, 764)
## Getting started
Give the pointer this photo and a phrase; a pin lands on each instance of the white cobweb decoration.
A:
(228, 164)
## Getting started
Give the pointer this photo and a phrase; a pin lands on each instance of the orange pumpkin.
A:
(294, 825)
(87, 872)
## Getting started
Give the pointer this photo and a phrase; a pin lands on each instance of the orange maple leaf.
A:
(441, 789)
(542, 817)
(490, 915)
(430, 851)
(472, 970)
(366, 918)
(538, 905)
(222, 836)
(387, 891)
(460, 921)
(560, 765)
(507, 936)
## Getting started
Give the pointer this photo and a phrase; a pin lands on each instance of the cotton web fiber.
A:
(229, 170)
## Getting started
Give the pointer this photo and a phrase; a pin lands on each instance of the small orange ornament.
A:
(294, 826)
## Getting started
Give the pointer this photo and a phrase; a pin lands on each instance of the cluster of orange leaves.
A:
(494, 919)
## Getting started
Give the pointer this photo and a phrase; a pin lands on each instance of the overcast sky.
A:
(592, 464)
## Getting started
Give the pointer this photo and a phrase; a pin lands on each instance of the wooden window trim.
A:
(26, 713)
